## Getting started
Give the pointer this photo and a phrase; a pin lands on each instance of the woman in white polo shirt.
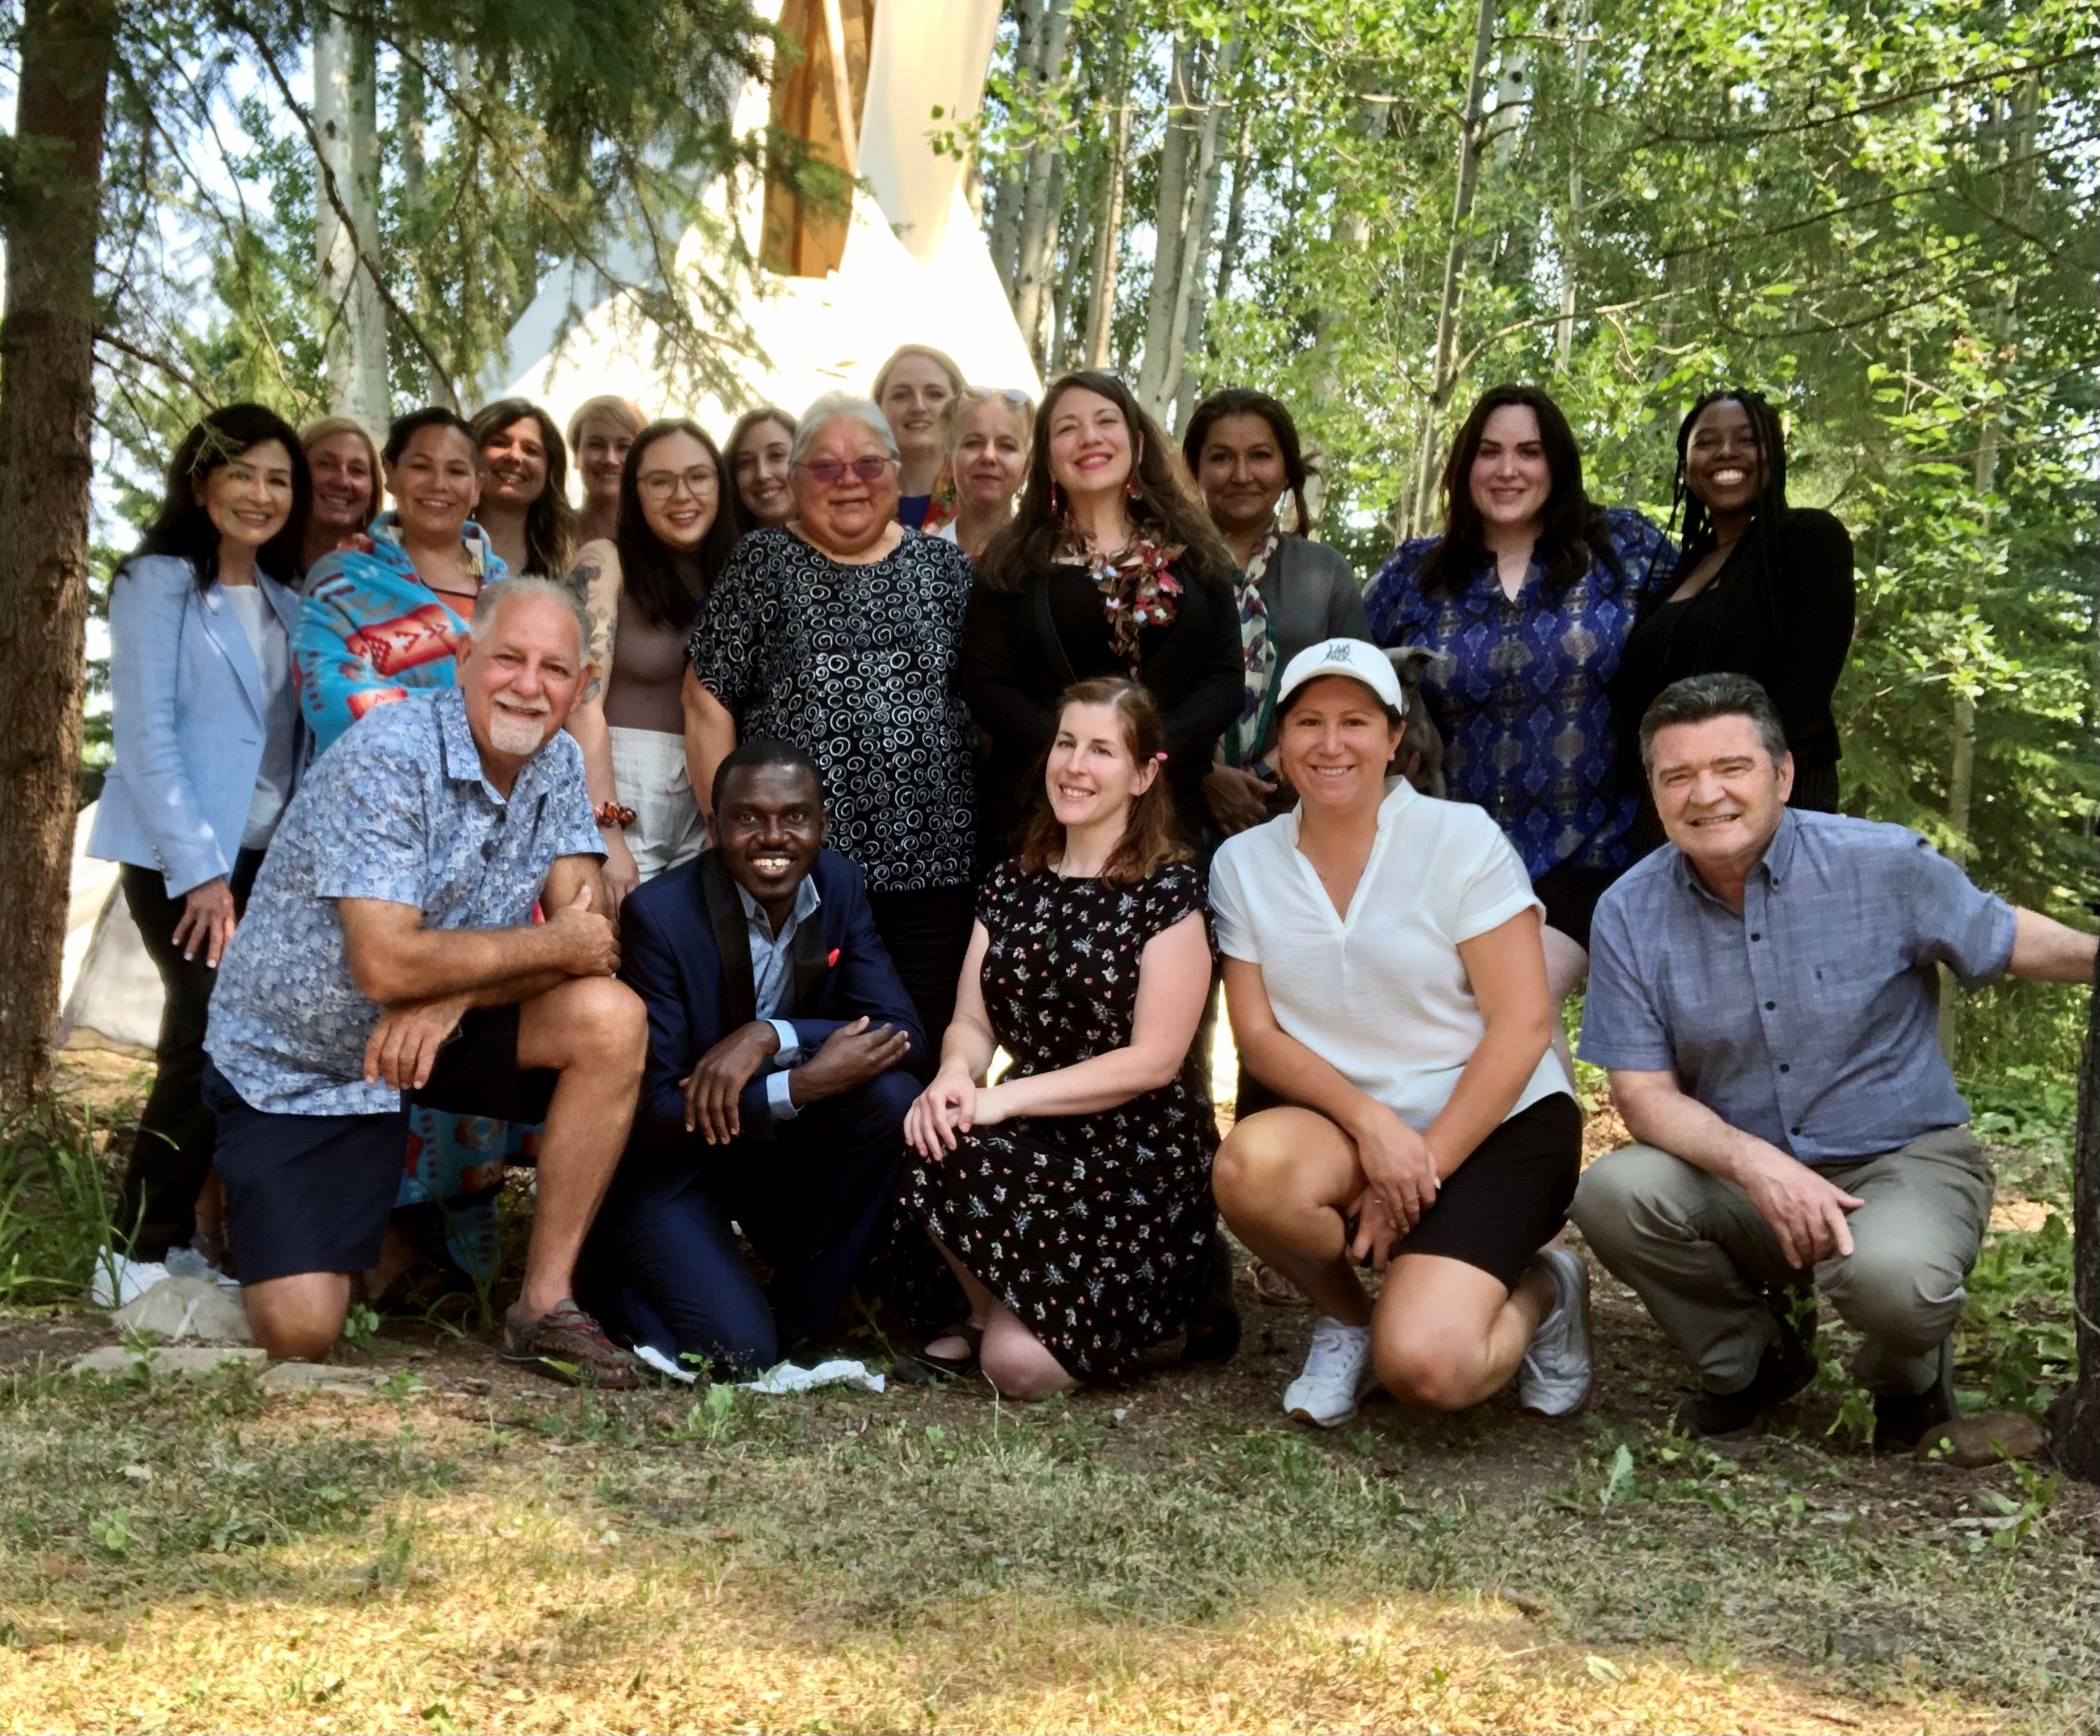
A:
(1385, 977)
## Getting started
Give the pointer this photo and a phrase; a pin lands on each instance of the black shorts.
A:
(312, 1193)
(1507, 1201)
(1570, 895)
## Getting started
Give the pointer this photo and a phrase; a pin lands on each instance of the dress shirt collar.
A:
(806, 901)
(1777, 862)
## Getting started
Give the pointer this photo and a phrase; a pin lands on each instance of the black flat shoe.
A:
(922, 1367)
(1788, 1364)
(1902, 1419)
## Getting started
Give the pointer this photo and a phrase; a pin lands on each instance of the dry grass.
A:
(191, 1556)
(483, 1551)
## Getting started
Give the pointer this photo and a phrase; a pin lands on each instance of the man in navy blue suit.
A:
(783, 1054)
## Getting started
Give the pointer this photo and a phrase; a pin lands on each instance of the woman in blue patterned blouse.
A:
(1526, 599)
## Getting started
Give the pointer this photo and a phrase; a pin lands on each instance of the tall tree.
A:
(346, 218)
(51, 179)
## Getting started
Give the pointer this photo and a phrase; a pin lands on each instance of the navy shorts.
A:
(312, 1193)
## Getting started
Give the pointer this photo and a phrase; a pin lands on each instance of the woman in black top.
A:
(1109, 568)
(1760, 588)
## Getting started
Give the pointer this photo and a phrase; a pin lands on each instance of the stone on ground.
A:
(1974, 1441)
(173, 1358)
(178, 1308)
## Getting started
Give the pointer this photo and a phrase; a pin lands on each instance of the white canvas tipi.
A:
(837, 291)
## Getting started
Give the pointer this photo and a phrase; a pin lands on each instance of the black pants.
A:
(927, 933)
(171, 1153)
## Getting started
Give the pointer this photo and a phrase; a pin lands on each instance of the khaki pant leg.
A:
(1901, 1287)
(1694, 1249)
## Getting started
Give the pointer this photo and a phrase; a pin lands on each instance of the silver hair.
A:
(828, 409)
(489, 603)
(1698, 698)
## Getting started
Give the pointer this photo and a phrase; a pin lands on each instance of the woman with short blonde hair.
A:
(600, 431)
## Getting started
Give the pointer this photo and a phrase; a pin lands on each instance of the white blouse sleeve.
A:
(1492, 884)
(1229, 909)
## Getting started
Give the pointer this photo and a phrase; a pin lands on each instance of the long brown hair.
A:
(1573, 535)
(1164, 505)
(1151, 838)
(550, 521)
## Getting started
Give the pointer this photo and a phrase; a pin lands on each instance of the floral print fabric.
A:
(1094, 1229)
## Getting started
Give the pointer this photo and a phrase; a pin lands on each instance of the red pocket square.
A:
(831, 959)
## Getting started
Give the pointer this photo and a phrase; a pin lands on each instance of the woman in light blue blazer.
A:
(209, 746)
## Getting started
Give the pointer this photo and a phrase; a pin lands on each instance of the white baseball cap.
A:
(1356, 659)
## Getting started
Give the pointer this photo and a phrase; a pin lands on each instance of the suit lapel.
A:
(739, 994)
(232, 638)
(806, 959)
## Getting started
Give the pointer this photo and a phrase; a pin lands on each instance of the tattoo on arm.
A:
(597, 592)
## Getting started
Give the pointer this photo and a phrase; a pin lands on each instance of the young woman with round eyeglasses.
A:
(642, 588)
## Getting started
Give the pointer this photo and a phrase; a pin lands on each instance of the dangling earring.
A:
(1056, 502)
(1130, 485)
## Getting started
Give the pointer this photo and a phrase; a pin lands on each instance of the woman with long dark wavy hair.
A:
(1072, 1198)
(1525, 599)
(642, 589)
(524, 505)
(1108, 567)
(208, 745)
(1759, 588)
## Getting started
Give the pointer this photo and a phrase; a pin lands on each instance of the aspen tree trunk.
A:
(1571, 237)
(1170, 224)
(1043, 183)
(1443, 373)
(413, 105)
(1010, 189)
(346, 217)
(1184, 335)
(1101, 304)
(2013, 119)
(50, 220)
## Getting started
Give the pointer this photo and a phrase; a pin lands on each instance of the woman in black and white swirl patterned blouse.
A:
(840, 631)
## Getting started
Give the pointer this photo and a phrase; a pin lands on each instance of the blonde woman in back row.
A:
(988, 459)
(599, 433)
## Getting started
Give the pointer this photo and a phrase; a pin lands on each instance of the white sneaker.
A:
(1554, 1380)
(118, 1279)
(1337, 1368)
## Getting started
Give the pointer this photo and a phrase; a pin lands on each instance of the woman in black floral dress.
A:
(1072, 1198)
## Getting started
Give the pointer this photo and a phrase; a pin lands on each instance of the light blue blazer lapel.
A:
(228, 634)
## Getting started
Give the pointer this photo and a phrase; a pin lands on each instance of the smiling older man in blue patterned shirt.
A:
(1764, 991)
(389, 952)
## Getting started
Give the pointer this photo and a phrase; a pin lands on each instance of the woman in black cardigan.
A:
(1109, 568)
(1760, 588)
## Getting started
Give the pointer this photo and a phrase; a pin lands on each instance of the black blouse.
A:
(1787, 624)
(856, 666)
(1021, 650)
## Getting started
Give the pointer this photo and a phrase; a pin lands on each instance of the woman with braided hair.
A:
(1759, 588)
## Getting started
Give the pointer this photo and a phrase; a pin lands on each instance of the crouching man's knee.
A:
(298, 1318)
(1894, 1296)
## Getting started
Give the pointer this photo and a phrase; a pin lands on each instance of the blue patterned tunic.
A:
(1521, 690)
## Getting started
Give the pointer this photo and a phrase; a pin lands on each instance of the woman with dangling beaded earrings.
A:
(1110, 567)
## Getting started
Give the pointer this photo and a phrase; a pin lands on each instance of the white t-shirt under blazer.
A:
(1381, 994)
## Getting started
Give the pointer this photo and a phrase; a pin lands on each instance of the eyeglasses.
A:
(664, 485)
(1012, 394)
(828, 473)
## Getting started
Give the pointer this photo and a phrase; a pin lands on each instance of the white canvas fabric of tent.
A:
(110, 992)
(916, 270)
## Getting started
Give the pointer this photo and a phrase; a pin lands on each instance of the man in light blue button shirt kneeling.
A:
(1764, 992)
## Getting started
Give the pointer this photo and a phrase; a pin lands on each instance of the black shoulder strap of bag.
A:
(739, 994)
